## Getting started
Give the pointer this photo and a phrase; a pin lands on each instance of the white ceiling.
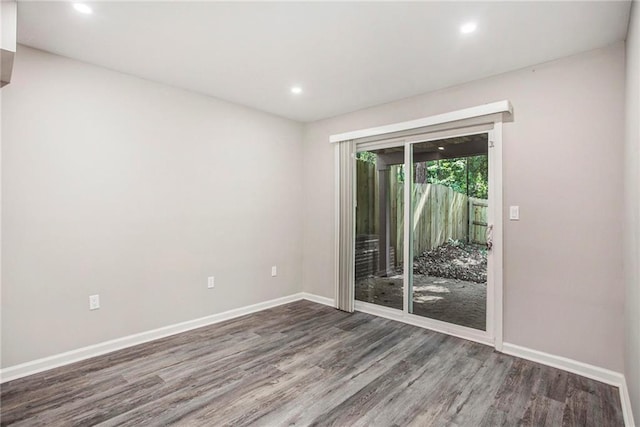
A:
(345, 56)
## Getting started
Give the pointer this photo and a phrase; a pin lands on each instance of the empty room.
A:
(320, 213)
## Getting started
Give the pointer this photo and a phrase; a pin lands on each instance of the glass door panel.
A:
(379, 227)
(449, 204)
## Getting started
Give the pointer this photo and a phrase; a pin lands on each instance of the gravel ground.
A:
(454, 260)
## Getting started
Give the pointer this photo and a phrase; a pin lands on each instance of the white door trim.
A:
(452, 116)
(495, 190)
(469, 334)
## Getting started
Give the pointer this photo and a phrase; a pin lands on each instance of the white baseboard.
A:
(318, 299)
(590, 371)
(625, 399)
(603, 375)
(33, 367)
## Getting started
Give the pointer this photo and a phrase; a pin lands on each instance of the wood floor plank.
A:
(424, 387)
(543, 411)
(307, 364)
(515, 395)
(475, 396)
(341, 382)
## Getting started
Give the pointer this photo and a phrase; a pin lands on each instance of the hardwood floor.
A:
(307, 364)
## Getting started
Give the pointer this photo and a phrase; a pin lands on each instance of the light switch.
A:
(94, 302)
(514, 213)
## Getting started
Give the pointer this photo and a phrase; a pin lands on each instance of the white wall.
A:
(562, 165)
(136, 191)
(632, 212)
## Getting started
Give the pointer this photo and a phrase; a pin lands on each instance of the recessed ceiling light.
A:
(469, 27)
(296, 89)
(83, 8)
(441, 148)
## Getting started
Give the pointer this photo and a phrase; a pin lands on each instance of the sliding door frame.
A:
(489, 334)
(477, 120)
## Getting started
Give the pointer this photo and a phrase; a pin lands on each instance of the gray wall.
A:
(562, 164)
(136, 191)
(632, 217)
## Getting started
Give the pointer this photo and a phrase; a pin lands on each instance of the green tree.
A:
(466, 175)
(479, 176)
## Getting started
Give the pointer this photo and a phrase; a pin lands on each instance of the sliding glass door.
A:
(449, 204)
(379, 236)
(421, 230)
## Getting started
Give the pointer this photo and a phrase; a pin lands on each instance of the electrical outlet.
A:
(94, 302)
(274, 271)
(211, 282)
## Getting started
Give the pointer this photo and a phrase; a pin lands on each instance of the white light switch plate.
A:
(274, 271)
(211, 282)
(94, 302)
(514, 213)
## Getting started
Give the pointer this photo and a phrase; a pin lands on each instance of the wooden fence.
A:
(478, 220)
(439, 213)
